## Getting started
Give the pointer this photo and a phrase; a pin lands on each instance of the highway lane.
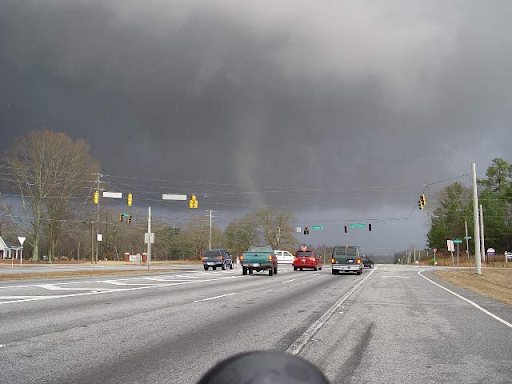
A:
(170, 328)
(401, 328)
(172, 331)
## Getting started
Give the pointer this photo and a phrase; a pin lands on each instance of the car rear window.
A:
(304, 254)
(259, 249)
(212, 253)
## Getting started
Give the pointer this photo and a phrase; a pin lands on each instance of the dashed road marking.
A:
(215, 297)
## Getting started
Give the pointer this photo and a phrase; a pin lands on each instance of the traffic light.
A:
(422, 201)
(96, 197)
(121, 216)
(129, 199)
(370, 227)
(306, 230)
(130, 218)
(345, 229)
(193, 203)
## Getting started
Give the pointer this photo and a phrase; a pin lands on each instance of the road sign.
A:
(21, 240)
(468, 238)
(99, 237)
(299, 229)
(147, 237)
(113, 195)
(359, 225)
(126, 214)
(457, 241)
(170, 196)
(491, 252)
(317, 227)
(449, 245)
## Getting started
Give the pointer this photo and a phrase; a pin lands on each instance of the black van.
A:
(217, 258)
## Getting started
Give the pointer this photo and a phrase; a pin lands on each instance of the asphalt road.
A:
(390, 325)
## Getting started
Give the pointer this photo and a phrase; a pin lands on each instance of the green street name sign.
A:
(360, 225)
(457, 241)
(317, 227)
(468, 238)
(125, 214)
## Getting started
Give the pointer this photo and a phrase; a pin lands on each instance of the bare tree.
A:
(276, 227)
(54, 176)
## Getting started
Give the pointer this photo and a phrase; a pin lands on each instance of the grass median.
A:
(493, 283)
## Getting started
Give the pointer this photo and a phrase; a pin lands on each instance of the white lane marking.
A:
(114, 282)
(2, 345)
(396, 277)
(287, 281)
(53, 287)
(470, 302)
(16, 297)
(215, 297)
(297, 346)
(96, 292)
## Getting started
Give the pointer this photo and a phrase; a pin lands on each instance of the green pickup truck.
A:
(259, 258)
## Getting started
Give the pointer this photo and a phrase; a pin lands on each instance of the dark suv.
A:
(217, 258)
(367, 263)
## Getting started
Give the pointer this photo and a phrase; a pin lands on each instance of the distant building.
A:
(9, 250)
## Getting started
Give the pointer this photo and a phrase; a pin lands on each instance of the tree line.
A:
(453, 209)
(48, 182)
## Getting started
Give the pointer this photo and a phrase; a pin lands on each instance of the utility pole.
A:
(482, 239)
(210, 235)
(278, 237)
(97, 219)
(92, 243)
(148, 259)
(478, 261)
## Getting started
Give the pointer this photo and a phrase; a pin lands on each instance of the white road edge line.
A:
(215, 297)
(287, 281)
(470, 302)
(297, 346)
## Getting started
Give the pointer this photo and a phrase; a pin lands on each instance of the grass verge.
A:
(493, 283)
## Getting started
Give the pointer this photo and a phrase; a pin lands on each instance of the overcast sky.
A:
(339, 110)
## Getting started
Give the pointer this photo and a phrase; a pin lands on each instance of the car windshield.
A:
(304, 254)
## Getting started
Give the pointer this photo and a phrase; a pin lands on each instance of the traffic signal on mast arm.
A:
(129, 199)
(130, 219)
(306, 230)
(96, 197)
(345, 229)
(193, 203)
(422, 201)
(121, 215)
(369, 227)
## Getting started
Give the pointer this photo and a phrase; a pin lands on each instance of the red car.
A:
(306, 259)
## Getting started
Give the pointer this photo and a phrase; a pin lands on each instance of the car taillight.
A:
(202, 258)
(241, 258)
(270, 258)
(358, 261)
(220, 258)
(332, 260)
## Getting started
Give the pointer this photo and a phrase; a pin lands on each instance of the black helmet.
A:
(264, 367)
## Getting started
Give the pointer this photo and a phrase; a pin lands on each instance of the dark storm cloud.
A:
(270, 94)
